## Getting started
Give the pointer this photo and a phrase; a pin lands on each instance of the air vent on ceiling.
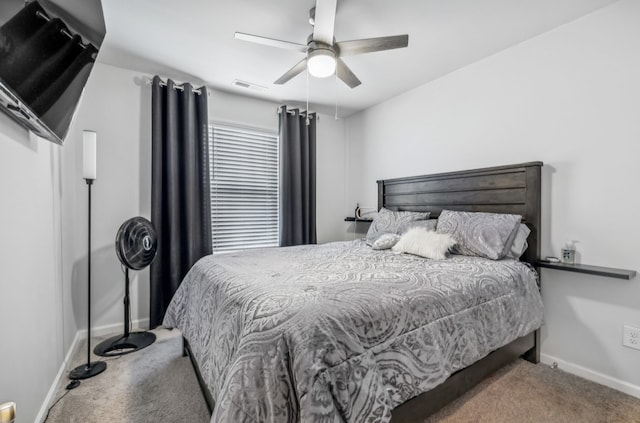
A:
(248, 85)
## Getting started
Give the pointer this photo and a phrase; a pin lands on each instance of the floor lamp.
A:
(94, 368)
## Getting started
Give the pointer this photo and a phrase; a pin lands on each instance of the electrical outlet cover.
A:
(631, 337)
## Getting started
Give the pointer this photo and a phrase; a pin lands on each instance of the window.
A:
(244, 188)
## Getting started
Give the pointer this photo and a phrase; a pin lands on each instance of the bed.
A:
(339, 332)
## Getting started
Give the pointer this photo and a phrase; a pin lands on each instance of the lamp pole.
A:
(90, 369)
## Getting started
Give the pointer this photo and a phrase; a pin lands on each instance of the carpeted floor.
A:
(157, 384)
(528, 393)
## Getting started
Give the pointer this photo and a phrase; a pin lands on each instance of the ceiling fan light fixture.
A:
(321, 63)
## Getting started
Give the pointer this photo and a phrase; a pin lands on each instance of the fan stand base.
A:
(86, 371)
(121, 345)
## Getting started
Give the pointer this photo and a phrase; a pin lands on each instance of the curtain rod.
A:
(302, 113)
(64, 31)
(179, 87)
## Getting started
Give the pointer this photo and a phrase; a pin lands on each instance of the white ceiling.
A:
(193, 40)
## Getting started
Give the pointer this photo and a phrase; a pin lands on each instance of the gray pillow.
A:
(388, 221)
(429, 224)
(384, 241)
(478, 234)
(519, 244)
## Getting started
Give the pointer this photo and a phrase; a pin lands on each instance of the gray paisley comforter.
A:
(342, 333)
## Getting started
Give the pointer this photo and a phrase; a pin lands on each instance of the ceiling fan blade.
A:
(345, 74)
(271, 42)
(294, 71)
(324, 21)
(369, 45)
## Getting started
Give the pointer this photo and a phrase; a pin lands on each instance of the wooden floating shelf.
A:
(355, 219)
(609, 272)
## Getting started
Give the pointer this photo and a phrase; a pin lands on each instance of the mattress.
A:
(340, 332)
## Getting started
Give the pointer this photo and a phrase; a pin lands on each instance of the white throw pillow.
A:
(425, 243)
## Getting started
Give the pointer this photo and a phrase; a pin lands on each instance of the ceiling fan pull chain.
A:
(336, 93)
(308, 122)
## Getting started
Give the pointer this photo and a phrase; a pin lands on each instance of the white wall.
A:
(330, 178)
(570, 98)
(31, 347)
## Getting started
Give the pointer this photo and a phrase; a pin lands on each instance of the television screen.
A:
(45, 62)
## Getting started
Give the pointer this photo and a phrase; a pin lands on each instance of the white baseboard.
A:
(80, 336)
(592, 375)
(114, 329)
(61, 373)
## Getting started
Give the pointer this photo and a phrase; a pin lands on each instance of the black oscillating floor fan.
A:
(136, 246)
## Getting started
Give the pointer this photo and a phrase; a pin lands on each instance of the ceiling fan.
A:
(323, 54)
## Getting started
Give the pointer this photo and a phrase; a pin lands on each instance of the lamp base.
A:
(86, 371)
(121, 345)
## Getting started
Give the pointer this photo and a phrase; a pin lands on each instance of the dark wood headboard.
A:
(502, 189)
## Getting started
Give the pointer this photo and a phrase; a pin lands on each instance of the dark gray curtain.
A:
(180, 196)
(298, 178)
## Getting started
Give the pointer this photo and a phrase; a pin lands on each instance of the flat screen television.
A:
(47, 51)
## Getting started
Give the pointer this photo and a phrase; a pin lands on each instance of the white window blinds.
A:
(244, 188)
